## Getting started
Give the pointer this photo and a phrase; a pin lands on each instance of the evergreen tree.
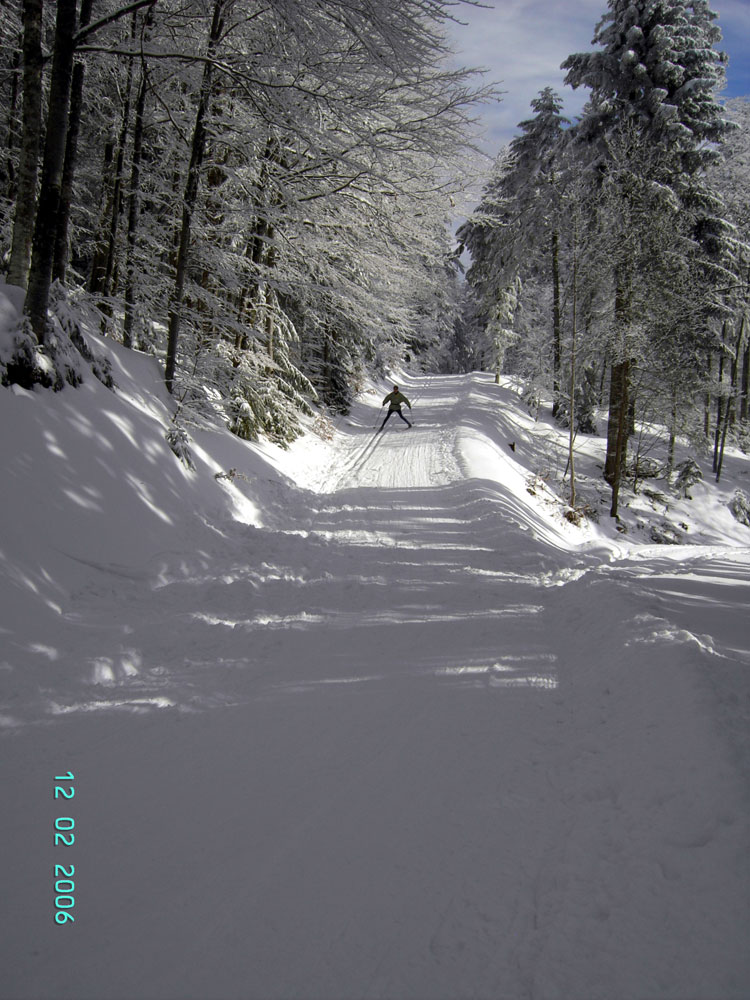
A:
(653, 83)
(730, 174)
(517, 226)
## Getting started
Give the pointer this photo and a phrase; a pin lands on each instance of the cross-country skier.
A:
(395, 399)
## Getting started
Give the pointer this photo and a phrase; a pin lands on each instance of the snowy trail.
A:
(421, 745)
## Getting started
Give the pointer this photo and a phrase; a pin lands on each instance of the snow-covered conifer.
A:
(653, 80)
(516, 226)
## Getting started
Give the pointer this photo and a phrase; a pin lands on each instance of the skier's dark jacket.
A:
(395, 399)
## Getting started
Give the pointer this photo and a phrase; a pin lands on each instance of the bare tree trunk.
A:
(28, 168)
(619, 402)
(254, 252)
(270, 298)
(190, 198)
(329, 336)
(574, 332)
(40, 274)
(556, 323)
(109, 269)
(133, 205)
(12, 134)
(720, 399)
(269, 324)
(729, 414)
(617, 429)
(60, 261)
(99, 258)
(603, 380)
(744, 374)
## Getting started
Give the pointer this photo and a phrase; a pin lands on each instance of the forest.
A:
(262, 195)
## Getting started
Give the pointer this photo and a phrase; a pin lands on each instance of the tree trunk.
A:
(327, 371)
(617, 429)
(573, 338)
(270, 298)
(619, 403)
(603, 380)
(28, 167)
(556, 323)
(40, 274)
(672, 434)
(269, 326)
(720, 399)
(101, 248)
(745, 391)
(99, 258)
(60, 261)
(254, 252)
(190, 198)
(109, 268)
(133, 205)
(12, 134)
(729, 412)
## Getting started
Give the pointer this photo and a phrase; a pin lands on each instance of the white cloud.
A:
(734, 13)
(521, 44)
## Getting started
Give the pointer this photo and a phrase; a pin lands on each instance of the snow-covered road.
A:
(418, 738)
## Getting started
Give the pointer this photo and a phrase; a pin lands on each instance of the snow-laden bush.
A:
(24, 362)
(324, 427)
(65, 357)
(245, 412)
(586, 403)
(665, 533)
(532, 400)
(688, 474)
(242, 385)
(179, 441)
(643, 467)
(740, 507)
(268, 400)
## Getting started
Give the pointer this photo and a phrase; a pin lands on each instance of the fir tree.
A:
(653, 83)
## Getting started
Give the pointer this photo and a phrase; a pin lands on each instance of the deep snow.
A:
(369, 721)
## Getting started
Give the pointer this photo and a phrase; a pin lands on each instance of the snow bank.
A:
(92, 494)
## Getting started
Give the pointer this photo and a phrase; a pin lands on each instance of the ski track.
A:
(406, 748)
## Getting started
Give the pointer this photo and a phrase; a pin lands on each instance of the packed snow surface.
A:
(367, 719)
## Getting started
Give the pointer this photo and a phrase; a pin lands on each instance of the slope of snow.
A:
(373, 721)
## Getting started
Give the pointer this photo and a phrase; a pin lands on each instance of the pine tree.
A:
(731, 176)
(518, 222)
(653, 83)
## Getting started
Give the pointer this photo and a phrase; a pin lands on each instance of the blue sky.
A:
(522, 43)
